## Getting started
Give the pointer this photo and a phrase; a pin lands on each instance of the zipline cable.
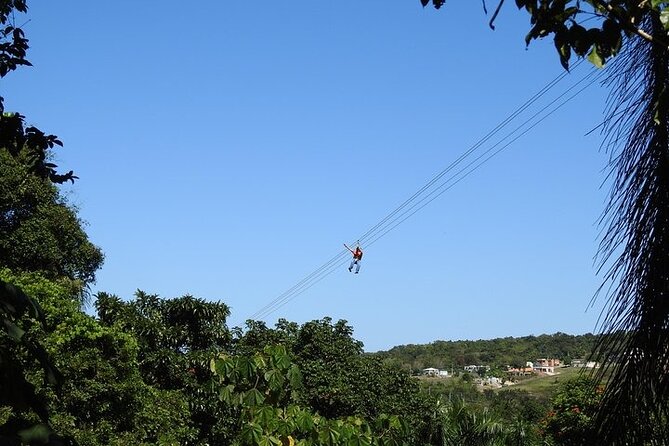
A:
(270, 307)
(400, 220)
(517, 129)
(371, 231)
(514, 139)
(330, 266)
(478, 144)
(392, 220)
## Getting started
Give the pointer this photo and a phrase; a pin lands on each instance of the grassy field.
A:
(545, 386)
(542, 387)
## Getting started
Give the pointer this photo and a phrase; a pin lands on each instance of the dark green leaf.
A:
(253, 398)
(15, 302)
(580, 40)
(245, 367)
(611, 36)
(14, 331)
(37, 434)
(281, 360)
(305, 421)
(266, 416)
(225, 394)
(251, 433)
(295, 377)
(269, 440)
(274, 380)
(561, 41)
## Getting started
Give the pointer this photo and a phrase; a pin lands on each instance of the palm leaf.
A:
(634, 252)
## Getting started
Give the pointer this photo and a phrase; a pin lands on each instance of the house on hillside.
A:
(431, 371)
(490, 381)
(477, 368)
(521, 371)
(584, 364)
(544, 365)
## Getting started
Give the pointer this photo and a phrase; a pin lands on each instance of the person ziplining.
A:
(466, 164)
(357, 257)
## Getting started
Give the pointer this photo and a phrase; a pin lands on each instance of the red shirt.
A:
(357, 254)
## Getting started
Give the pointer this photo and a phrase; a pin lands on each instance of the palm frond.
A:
(634, 251)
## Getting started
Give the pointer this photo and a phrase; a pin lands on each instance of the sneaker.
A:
(357, 272)
(350, 269)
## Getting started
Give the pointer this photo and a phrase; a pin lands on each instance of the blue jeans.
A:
(355, 262)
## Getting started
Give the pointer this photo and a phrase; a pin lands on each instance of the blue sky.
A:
(227, 149)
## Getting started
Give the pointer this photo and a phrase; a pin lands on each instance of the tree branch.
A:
(629, 24)
(494, 16)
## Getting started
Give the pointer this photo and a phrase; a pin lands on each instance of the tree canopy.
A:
(498, 352)
(574, 32)
(39, 230)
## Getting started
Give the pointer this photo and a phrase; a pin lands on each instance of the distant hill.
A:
(498, 352)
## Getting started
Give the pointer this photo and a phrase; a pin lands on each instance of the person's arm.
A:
(349, 248)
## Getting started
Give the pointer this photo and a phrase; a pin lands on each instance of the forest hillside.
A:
(497, 353)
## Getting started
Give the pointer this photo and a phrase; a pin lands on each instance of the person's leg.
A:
(350, 267)
(357, 266)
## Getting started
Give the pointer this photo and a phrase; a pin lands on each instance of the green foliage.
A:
(498, 352)
(560, 18)
(512, 404)
(521, 413)
(268, 377)
(457, 423)
(343, 381)
(466, 426)
(566, 21)
(454, 388)
(141, 373)
(339, 379)
(25, 416)
(15, 136)
(263, 389)
(545, 387)
(14, 45)
(24, 156)
(103, 399)
(335, 372)
(176, 338)
(39, 231)
(175, 335)
(570, 421)
(257, 335)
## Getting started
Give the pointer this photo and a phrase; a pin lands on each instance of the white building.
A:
(477, 368)
(430, 371)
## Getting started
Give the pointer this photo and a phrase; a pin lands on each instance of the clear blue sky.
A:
(227, 149)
